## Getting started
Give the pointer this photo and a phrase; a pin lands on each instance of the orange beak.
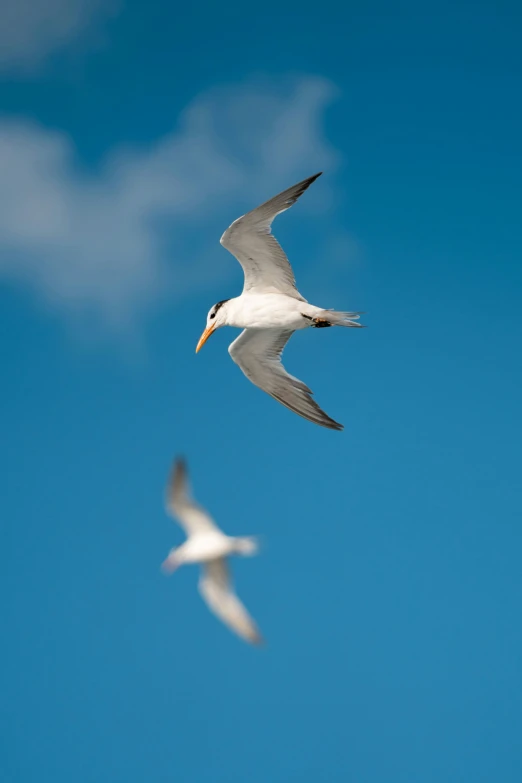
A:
(204, 337)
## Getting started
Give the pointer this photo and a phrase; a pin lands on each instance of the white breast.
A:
(205, 547)
(266, 311)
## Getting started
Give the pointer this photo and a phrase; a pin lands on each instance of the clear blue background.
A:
(389, 589)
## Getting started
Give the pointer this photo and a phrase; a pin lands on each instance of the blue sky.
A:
(389, 587)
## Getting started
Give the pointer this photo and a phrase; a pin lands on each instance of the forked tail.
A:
(246, 545)
(338, 318)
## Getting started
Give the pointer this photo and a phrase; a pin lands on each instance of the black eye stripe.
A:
(217, 306)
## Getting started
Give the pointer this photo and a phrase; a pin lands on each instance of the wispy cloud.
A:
(138, 229)
(31, 30)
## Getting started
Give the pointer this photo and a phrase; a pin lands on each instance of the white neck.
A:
(233, 314)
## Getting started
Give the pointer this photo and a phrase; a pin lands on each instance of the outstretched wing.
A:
(217, 590)
(266, 267)
(191, 517)
(258, 353)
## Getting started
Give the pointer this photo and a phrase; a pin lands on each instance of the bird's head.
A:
(217, 316)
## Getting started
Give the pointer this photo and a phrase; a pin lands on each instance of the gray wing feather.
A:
(257, 352)
(264, 262)
(192, 517)
(216, 589)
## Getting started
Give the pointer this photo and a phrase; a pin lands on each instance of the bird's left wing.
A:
(266, 267)
(192, 517)
(216, 588)
(258, 354)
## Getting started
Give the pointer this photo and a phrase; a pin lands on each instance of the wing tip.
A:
(177, 480)
(179, 463)
(178, 470)
(257, 640)
(330, 424)
(305, 184)
(319, 417)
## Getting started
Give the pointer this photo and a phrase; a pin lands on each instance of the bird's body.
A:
(202, 547)
(270, 308)
(205, 546)
(208, 546)
(270, 311)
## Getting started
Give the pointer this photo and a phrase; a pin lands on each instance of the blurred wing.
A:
(217, 591)
(191, 517)
(258, 353)
(266, 267)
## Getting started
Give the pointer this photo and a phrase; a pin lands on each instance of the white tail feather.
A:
(339, 318)
(246, 545)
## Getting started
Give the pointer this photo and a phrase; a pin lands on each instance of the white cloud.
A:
(115, 241)
(31, 30)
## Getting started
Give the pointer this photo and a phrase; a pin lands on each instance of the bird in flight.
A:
(207, 545)
(270, 308)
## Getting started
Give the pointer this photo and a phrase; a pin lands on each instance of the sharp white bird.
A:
(207, 545)
(270, 308)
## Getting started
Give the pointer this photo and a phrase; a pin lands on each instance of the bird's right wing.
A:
(217, 590)
(191, 517)
(258, 354)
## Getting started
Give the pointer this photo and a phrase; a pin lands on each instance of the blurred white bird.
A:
(208, 545)
(270, 308)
